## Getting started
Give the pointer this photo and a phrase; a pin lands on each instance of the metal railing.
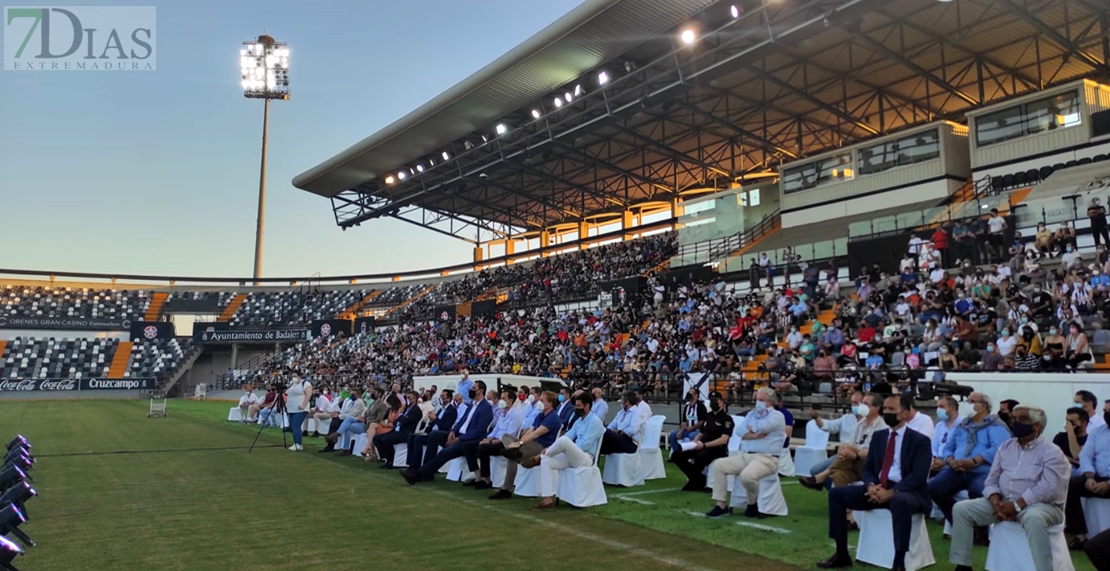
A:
(709, 251)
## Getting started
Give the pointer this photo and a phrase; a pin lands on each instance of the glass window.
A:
(749, 198)
(907, 151)
(825, 171)
(799, 178)
(834, 169)
(1052, 113)
(999, 126)
(700, 207)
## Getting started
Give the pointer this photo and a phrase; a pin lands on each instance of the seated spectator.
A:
(1044, 239)
(354, 423)
(404, 426)
(1074, 437)
(1027, 483)
(1093, 481)
(843, 426)
(322, 411)
(1077, 351)
(249, 406)
(626, 431)
(266, 408)
(760, 448)
(442, 421)
(574, 450)
(693, 415)
(847, 466)
(1005, 408)
(377, 417)
(896, 475)
(478, 454)
(710, 444)
(948, 415)
(1087, 401)
(472, 426)
(531, 444)
(599, 406)
(968, 455)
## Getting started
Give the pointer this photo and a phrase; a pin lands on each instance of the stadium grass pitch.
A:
(120, 491)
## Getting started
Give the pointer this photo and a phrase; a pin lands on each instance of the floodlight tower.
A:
(265, 71)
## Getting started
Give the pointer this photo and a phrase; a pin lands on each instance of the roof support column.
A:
(583, 233)
(545, 241)
(628, 222)
(479, 255)
(510, 249)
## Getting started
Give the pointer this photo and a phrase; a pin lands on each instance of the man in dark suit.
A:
(443, 421)
(472, 426)
(405, 425)
(895, 478)
(565, 409)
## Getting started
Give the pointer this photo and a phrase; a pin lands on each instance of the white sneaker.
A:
(296, 448)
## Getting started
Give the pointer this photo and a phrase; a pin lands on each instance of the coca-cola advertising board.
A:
(8, 385)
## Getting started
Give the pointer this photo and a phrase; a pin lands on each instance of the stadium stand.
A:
(56, 358)
(73, 303)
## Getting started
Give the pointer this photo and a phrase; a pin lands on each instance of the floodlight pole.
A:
(261, 193)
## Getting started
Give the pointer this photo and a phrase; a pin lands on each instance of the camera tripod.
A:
(278, 409)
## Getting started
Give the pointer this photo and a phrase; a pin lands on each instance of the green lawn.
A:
(192, 498)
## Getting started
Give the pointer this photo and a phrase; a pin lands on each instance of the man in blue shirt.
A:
(1093, 481)
(544, 431)
(577, 449)
(968, 455)
(478, 454)
(760, 446)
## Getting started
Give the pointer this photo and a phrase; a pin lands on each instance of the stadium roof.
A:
(764, 82)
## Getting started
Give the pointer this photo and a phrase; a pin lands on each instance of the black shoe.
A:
(811, 483)
(718, 511)
(315, 435)
(963, 568)
(1076, 544)
(410, 476)
(837, 561)
(483, 485)
(472, 483)
(326, 449)
(429, 478)
(502, 495)
(853, 526)
(693, 487)
(753, 511)
(386, 466)
(512, 454)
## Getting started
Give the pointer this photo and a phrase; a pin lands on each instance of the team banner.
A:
(483, 308)
(329, 327)
(251, 336)
(151, 330)
(445, 313)
(63, 323)
(364, 325)
(135, 383)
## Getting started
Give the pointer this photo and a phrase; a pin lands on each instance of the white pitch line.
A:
(746, 524)
(634, 500)
(646, 492)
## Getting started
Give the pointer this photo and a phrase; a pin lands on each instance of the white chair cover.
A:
(457, 471)
(876, 541)
(813, 452)
(400, 455)
(1009, 549)
(582, 487)
(1097, 511)
(625, 469)
(360, 443)
(770, 501)
(497, 467)
(235, 415)
(786, 463)
(651, 456)
(527, 482)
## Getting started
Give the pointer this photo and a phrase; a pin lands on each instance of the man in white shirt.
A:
(246, 402)
(322, 411)
(843, 426)
(919, 422)
(624, 434)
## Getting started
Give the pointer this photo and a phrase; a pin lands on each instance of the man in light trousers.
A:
(574, 450)
(1028, 484)
(760, 446)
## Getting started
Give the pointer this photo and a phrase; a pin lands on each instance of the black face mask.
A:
(580, 412)
(1106, 417)
(1004, 417)
(891, 419)
(473, 394)
(715, 405)
(1021, 429)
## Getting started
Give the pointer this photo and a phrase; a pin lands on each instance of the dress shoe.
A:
(718, 511)
(410, 476)
(342, 453)
(543, 506)
(837, 561)
(332, 438)
(811, 483)
(386, 466)
(328, 448)
(529, 462)
(502, 495)
(512, 454)
(753, 511)
(962, 568)
(483, 485)
(1076, 544)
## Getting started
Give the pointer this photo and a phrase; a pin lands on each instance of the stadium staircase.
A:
(750, 367)
(409, 301)
(3, 346)
(154, 310)
(754, 235)
(120, 360)
(232, 307)
(352, 312)
(182, 367)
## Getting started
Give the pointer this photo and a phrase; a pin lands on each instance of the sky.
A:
(156, 172)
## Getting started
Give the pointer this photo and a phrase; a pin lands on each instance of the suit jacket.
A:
(566, 414)
(377, 412)
(406, 423)
(916, 461)
(447, 420)
(479, 421)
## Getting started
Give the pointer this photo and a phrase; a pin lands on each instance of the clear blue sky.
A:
(157, 172)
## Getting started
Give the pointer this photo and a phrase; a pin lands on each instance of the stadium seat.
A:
(1009, 549)
(876, 541)
(1033, 176)
(1071, 163)
(1046, 171)
(813, 452)
(1097, 511)
(1085, 161)
(1100, 158)
(651, 456)
(1008, 182)
(1020, 179)
(582, 487)
(997, 184)
(360, 443)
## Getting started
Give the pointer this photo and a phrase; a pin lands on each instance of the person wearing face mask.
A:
(993, 358)
(479, 453)
(574, 450)
(599, 408)
(1005, 408)
(565, 408)
(1006, 343)
(1077, 351)
(1053, 353)
(693, 415)
(1027, 484)
(847, 466)
(402, 428)
(531, 444)
(948, 415)
(624, 433)
(710, 443)
(471, 426)
(760, 447)
(968, 454)
(1074, 437)
(843, 426)
(441, 422)
(895, 477)
(376, 416)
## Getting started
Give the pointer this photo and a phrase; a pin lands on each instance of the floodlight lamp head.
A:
(8, 552)
(10, 476)
(18, 495)
(16, 453)
(22, 462)
(10, 519)
(19, 440)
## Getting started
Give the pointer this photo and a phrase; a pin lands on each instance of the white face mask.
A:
(531, 399)
(502, 404)
(861, 410)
